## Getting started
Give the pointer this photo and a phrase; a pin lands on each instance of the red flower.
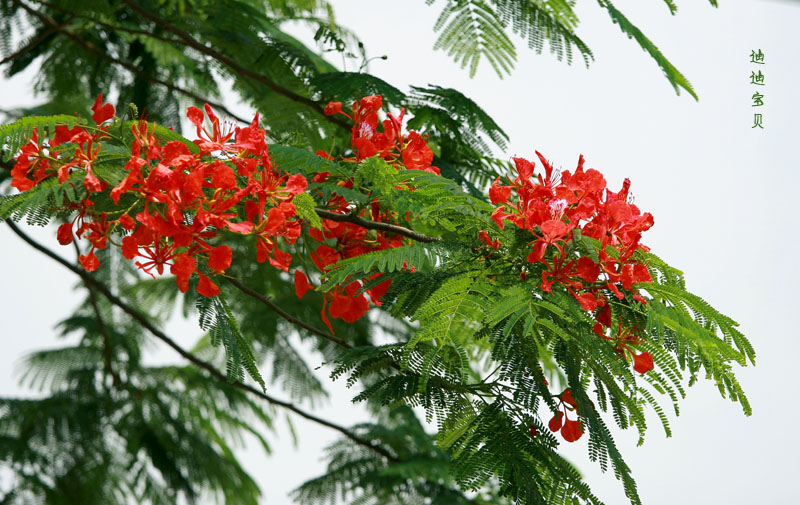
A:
(498, 216)
(643, 362)
(127, 222)
(498, 193)
(89, 262)
(552, 210)
(417, 155)
(253, 139)
(206, 287)
(587, 301)
(334, 108)
(130, 247)
(217, 139)
(92, 183)
(604, 316)
(377, 292)
(556, 422)
(345, 304)
(566, 397)
(183, 268)
(484, 236)
(32, 157)
(301, 285)
(219, 258)
(634, 273)
(587, 269)
(102, 112)
(64, 234)
(524, 168)
(158, 253)
(571, 430)
(324, 256)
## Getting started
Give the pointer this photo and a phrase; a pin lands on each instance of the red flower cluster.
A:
(391, 144)
(41, 161)
(552, 210)
(570, 430)
(349, 240)
(342, 240)
(174, 201)
(184, 199)
(179, 183)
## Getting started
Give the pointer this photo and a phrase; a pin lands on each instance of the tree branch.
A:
(124, 64)
(374, 225)
(109, 26)
(35, 42)
(145, 322)
(101, 326)
(231, 63)
(285, 315)
(473, 388)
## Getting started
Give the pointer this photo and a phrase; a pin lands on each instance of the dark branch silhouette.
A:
(373, 225)
(145, 322)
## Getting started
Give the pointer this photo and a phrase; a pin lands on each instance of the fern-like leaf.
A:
(471, 30)
(672, 74)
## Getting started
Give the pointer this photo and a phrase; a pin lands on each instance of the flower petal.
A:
(643, 362)
(219, 258)
(89, 262)
(206, 287)
(572, 430)
(301, 285)
(555, 422)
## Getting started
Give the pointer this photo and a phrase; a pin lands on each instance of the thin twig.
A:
(145, 322)
(374, 225)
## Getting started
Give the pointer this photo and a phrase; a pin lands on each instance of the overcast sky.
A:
(721, 193)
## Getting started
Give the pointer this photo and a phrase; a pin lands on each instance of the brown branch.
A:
(285, 315)
(109, 26)
(474, 388)
(145, 322)
(231, 63)
(374, 225)
(38, 40)
(101, 326)
(124, 64)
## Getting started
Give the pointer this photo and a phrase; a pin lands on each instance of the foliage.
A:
(385, 257)
(153, 434)
(475, 29)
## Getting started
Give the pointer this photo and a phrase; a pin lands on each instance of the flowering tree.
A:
(517, 321)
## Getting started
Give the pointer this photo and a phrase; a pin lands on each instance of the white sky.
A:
(720, 191)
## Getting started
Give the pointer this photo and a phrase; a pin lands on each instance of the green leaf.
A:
(673, 75)
(470, 30)
(305, 205)
(15, 135)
